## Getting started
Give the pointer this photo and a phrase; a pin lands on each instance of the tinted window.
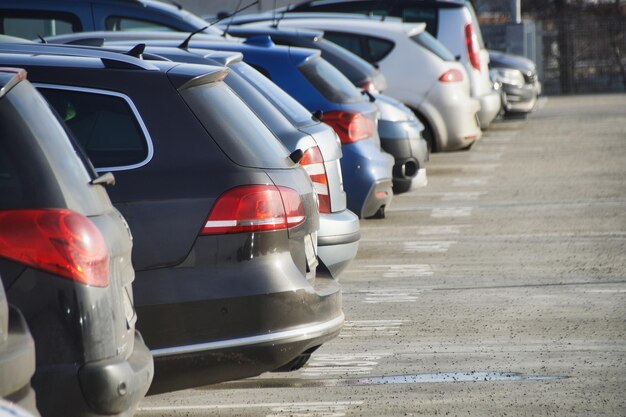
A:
(348, 41)
(378, 48)
(237, 130)
(426, 40)
(331, 83)
(105, 125)
(297, 114)
(31, 24)
(424, 14)
(119, 23)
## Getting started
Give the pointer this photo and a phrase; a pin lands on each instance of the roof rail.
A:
(109, 59)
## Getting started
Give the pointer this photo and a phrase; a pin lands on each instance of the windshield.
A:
(331, 83)
(297, 114)
(236, 128)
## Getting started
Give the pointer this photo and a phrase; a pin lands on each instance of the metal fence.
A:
(583, 56)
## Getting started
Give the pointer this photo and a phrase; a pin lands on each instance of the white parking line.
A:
(382, 296)
(400, 271)
(480, 167)
(329, 409)
(463, 196)
(470, 181)
(453, 229)
(427, 246)
(343, 364)
(441, 212)
(271, 406)
(486, 156)
(369, 328)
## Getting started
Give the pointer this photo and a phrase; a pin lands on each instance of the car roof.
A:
(388, 26)
(444, 3)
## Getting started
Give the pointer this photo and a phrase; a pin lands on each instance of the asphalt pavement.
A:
(499, 289)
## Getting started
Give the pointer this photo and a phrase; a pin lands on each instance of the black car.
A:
(65, 264)
(224, 220)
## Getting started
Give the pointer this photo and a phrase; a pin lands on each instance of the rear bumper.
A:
(111, 387)
(366, 167)
(338, 240)
(17, 363)
(402, 140)
(490, 106)
(287, 325)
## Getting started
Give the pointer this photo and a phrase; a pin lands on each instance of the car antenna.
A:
(231, 20)
(233, 14)
(185, 44)
(384, 15)
(42, 39)
(137, 50)
(282, 15)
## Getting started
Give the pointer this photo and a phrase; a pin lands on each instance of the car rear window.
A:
(331, 83)
(37, 163)
(297, 114)
(426, 40)
(30, 24)
(425, 14)
(378, 48)
(105, 124)
(235, 127)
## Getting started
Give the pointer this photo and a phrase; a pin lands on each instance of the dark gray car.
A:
(65, 261)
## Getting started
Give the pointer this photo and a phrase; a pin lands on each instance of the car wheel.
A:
(380, 214)
(427, 133)
(295, 364)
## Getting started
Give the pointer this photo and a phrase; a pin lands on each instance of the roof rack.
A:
(109, 59)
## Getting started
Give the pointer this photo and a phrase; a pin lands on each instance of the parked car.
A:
(439, 88)
(520, 84)
(30, 19)
(65, 261)
(339, 232)
(452, 22)
(367, 170)
(224, 221)
(404, 147)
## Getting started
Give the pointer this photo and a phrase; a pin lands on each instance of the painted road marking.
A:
(328, 409)
(486, 156)
(470, 181)
(453, 229)
(342, 364)
(463, 196)
(480, 167)
(409, 295)
(369, 328)
(428, 246)
(441, 212)
(402, 271)
(272, 406)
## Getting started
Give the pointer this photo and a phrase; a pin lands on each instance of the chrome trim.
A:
(301, 333)
(133, 109)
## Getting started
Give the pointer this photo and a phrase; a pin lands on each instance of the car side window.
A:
(378, 48)
(121, 23)
(348, 41)
(30, 24)
(424, 14)
(104, 124)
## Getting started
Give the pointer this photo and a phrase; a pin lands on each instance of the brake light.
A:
(313, 163)
(451, 76)
(350, 126)
(473, 50)
(58, 241)
(369, 86)
(255, 208)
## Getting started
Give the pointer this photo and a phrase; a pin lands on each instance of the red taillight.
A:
(255, 208)
(473, 50)
(370, 87)
(350, 126)
(61, 242)
(451, 76)
(313, 163)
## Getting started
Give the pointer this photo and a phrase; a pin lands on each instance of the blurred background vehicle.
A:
(520, 84)
(439, 88)
(224, 221)
(65, 261)
(452, 22)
